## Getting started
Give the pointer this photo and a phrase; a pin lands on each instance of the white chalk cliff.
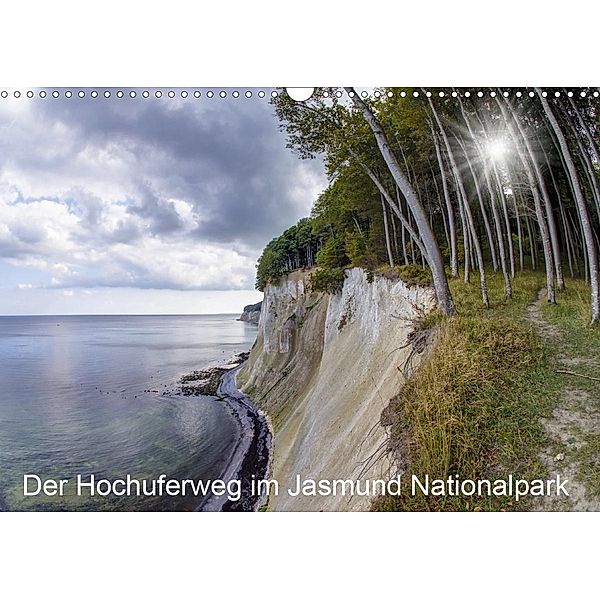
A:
(324, 367)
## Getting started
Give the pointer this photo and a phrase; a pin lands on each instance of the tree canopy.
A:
(455, 181)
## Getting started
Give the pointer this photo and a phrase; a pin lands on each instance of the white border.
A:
(460, 43)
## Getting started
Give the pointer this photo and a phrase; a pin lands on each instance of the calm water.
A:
(94, 394)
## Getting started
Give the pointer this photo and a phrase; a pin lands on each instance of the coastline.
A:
(252, 456)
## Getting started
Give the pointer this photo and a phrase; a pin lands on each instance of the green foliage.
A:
(333, 254)
(295, 248)
(358, 252)
(329, 281)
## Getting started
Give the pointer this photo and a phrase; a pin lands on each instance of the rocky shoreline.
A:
(251, 459)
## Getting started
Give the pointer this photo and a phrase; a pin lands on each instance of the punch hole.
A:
(299, 94)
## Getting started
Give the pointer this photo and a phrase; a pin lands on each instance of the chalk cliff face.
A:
(251, 313)
(324, 367)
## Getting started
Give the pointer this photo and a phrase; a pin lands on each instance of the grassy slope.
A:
(474, 406)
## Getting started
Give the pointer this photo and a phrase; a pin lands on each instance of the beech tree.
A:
(448, 181)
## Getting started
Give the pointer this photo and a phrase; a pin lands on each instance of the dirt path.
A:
(576, 416)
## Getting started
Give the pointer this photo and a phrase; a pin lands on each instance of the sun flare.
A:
(496, 148)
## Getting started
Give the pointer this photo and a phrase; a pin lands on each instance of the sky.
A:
(143, 205)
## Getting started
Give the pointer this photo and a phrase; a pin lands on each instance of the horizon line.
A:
(118, 314)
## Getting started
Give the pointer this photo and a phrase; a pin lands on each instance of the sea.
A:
(98, 395)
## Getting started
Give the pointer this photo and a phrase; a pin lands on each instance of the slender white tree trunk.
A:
(449, 208)
(582, 208)
(468, 215)
(387, 232)
(539, 212)
(547, 203)
(434, 256)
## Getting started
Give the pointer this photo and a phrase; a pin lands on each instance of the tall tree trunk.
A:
(511, 249)
(495, 213)
(582, 208)
(449, 208)
(548, 258)
(590, 173)
(546, 197)
(590, 138)
(519, 230)
(403, 228)
(466, 206)
(532, 251)
(511, 252)
(395, 236)
(486, 221)
(387, 232)
(466, 252)
(383, 191)
(567, 238)
(434, 256)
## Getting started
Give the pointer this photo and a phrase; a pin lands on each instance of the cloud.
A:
(146, 193)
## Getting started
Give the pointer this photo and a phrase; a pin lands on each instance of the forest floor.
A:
(573, 429)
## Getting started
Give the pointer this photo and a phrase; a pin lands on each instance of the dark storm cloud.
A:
(160, 213)
(166, 193)
(224, 156)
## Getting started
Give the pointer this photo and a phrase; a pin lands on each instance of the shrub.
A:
(410, 274)
(329, 281)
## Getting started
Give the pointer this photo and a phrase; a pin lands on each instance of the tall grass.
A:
(473, 407)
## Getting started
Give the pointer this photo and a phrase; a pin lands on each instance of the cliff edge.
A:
(251, 313)
(324, 367)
